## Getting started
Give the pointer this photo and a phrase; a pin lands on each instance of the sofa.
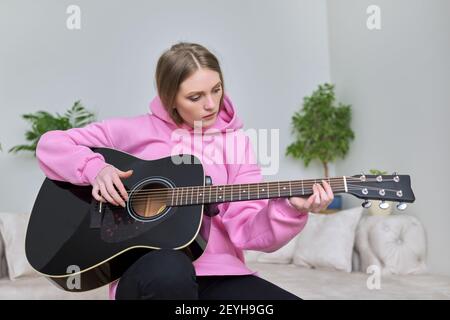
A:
(346, 255)
(352, 254)
(17, 278)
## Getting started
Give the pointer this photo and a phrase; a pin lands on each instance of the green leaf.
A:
(42, 121)
(78, 116)
(377, 172)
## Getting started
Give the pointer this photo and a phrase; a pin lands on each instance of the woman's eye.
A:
(198, 97)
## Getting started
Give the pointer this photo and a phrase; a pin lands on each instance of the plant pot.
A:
(334, 206)
(375, 209)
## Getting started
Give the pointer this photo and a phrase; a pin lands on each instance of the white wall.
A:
(398, 80)
(273, 53)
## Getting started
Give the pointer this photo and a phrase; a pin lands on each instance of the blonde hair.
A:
(178, 63)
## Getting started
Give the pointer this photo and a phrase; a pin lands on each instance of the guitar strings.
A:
(140, 201)
(181, 191)
(273, 184)
(186, 196)
(306, 182)
(167, 197)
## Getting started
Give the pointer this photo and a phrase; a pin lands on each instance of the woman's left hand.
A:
(318, 201)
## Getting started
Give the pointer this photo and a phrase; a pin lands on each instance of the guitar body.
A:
(69, 235)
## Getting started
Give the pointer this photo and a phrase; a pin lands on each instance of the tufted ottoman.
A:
(396, 243)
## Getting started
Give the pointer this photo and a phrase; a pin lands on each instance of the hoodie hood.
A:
(226, 120)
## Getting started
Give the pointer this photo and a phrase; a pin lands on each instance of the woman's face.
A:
(199, 96)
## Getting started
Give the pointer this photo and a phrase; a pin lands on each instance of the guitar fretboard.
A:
(251, 191)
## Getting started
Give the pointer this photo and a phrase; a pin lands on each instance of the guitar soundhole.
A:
(149, 201)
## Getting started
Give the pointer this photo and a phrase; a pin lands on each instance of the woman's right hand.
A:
(105, 181)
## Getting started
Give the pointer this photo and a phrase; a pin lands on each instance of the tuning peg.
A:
(384, 205)
(362, 177)
(401, 206)
(366, 204)
(396, 177)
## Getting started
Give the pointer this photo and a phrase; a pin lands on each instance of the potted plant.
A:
(322, 132)
(375, 209)
(42, 121)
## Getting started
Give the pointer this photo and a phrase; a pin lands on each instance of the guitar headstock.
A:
(393, 187)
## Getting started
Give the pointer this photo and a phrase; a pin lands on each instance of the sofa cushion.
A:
(13, 227)
(283, 255)
(394, 243)
(327, 240)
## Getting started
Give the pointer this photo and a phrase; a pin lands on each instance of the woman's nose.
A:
(209, 103)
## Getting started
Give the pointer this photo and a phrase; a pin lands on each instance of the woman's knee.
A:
(161, 274)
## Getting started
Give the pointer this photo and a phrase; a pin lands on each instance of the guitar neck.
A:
(250, 191)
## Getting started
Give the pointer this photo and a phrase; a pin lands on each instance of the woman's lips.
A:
(209, 116)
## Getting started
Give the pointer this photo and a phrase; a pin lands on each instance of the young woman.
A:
(191, 91)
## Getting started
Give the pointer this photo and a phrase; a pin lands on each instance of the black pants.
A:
(170, 275)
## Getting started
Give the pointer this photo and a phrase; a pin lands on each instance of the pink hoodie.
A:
(262, 225)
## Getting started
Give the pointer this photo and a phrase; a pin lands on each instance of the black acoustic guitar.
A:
(81, 244)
